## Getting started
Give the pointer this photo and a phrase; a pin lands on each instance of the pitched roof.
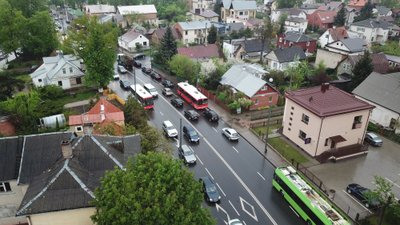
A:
(195, 25)
(94, 115)
(372, 23)
(53, 64)
(200, 51)
(242, 78)
(235, 26)
(239, 4)
(330, 102)
(136, 9)
(383, 90)
(10, 153)
(338, 33)
(291, 11)
(207, 13)
(379, 60)
(353, 44)
(330, 6)
(289, 54)
(99, 9)
(130, 36)
(161, 32)
(297, 37)
(326, 16)
(357, 3)
(254, 45)
(382, 10)
(52, 178)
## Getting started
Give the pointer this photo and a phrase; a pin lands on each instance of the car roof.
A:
(206, 180)
(230, 129)
(188, 127)
(148, 85)
(186, 148)
(177, 99)
(372, 135)
(167, 123)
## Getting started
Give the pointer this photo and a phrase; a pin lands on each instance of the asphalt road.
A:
(242, 176)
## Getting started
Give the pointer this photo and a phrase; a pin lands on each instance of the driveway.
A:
(380, 161)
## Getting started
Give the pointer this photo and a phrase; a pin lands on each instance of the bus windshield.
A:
(202, 101)
(148, 101)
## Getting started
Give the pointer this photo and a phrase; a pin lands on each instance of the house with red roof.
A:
(322, 19)
(357, 4)
(102, 112)
(326, 122)
(332, 35)
(292, 38)
(200, 51)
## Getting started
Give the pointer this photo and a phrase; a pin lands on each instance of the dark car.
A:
(177, 102)
(146, 70)
(155, 76)
(191, 114)
(191, 135)
(362, 194)
(124, 84)
(209, 189)
(137, 64)
(373, 139)
(167, 83)
(210, 115)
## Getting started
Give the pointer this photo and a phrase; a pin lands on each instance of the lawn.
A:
(85, 94)
(262, 130)
(286, 150)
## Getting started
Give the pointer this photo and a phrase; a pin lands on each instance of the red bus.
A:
(192, 96)
(144, 97)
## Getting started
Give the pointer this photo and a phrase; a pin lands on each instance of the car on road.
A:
(187, 155)
(373, 139)
(209, 189)
(167, 83)
(151, 89)
(230, 133)
(210, 115)
(169, 129)
(177, 102)
(362, 194)
(235, 222)
(122, 69)
(137, 64)
(124, 84)
(167, 92)
(155, 76)
(191, 114)
(146, 70)
(190, 134)
(116, 76)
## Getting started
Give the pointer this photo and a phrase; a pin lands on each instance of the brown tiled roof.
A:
(327, 16)
(338, 33)
(379, 60)
(357, 3)
(200, 51)
(332, 101)
(160, 33)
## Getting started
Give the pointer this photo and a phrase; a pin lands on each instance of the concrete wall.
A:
(66, 217)
(330, 59)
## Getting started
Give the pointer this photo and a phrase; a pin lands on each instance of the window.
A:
(327, 36)
(270, 99)
(241, 13)
(290, 118)
(70, 70)
(326, 141)
(186, 33)
(5, 187)
(290, 124)
(357, 122)
(64, 71)
(78, 80)
(292, 108)
(291, 113)
(79, 129)
(246, 13)
(59, 83)
(372, 38)
(144, 43)
(305, 118)
(256, 102)
(39, 80)
(289, 129)
(302, 135)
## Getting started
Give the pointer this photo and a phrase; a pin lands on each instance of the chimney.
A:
(324, 87)
(66, 149)
(102, 114)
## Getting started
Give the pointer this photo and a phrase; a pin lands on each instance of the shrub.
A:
(222, 96)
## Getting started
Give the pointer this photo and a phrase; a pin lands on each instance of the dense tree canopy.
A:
(365, 13)
(153, 190)
(167, 49)
(8, 83)
(340, 18)
(212, 35)
(29, 8)
(362, 70)
(288, 3)
(184, 68)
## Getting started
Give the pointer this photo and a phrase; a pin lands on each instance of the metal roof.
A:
(372, 23)
(136, 9)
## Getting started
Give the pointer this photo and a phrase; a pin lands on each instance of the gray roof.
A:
(297, 37)
(289, 54)
(372, 23)
(10, 153)
(255, 45)
(195, 25)
(242, 78)
(51, 66)
(131, 36)
(383, 90)
(382, 10)
(207, 13)
(353, 44)
(235, 26)
(239, 5)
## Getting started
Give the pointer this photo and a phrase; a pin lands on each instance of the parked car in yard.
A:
(210, 115)
(124, 84)
(167, 83)
(362, 194)
(191, 134)
(191, 114)
(155, 76)
(177, 102)
(209, 189)
(373, 139)
(167, 92)
(187, 155)
(230, 133)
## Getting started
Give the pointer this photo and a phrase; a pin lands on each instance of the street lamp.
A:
(269, 117)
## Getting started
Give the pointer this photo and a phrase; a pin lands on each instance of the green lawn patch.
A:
(286, 150)
(79, 96)
(263, 130)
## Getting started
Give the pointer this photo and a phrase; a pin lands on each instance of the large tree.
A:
(383, 193)
(8, 84)
(340, 18)
(264, 32)
(212, 35)
(154, 189)
(11, 28)
(184, 68)
(362, 70)
(390, 3)
(288, 3)
(40, 37)
(96, 44)
(29, 7)
(167, 49)
(365, 12)
(134, 113)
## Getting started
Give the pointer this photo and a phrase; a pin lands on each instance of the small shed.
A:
(51, 121)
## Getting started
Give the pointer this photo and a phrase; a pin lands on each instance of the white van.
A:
(151, 89)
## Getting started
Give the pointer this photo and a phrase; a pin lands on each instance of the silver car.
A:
(230, 133)
(187, 154)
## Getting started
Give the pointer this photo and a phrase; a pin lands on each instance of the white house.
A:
(131, 40)
(382, 91)
(296, 24)
(331, 35)
(348, 46)
(282, 58)
(203, 4)
(194, 31)
(291, 13)
(142, 13)
(234, 11)
(61, 70)
(371, 30)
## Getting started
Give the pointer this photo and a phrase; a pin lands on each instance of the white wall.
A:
(66, 217)
(370, 35)
(295, 26)
(10, 201)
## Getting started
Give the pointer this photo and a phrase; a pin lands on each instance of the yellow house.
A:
(326, 122)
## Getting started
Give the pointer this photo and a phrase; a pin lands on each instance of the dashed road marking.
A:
(244, 222)
(209, 173)
(215, 129)
(219, 207)
(221, 190)
(199, 160)
(235, 149)
(392, 182)
(234, 207)
(260, 175)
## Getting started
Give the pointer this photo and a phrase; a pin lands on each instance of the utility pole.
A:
(134, 81)
(180, 133)
(269, 117)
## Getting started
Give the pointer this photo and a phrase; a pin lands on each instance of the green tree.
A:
(319, 75)
(153, 189)
(264, 32)
(23, 108)
(383, 193)
(288, 3)
(391, 4)
(297, 73)
(365, 12)
(11, 28)
(40, 36)
(212, 35)
(340, 18)
(211, 82)
(153, 140)
(134, 113)
(172, 12)
(96, 45)
(8, 84)
(247, 33)
(184, 68)
(361, 70)
(281, 22)
(167, 48)
(28, 8)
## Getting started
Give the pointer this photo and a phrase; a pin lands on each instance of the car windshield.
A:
(187, 151)
(192, 133)
(376, 138)
(170, 128)
(152, 90)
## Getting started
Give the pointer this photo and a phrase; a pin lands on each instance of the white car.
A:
(235, 222)
(187, 154)
(122, 69)
(230, 133)
(169, 129)
(116, 76)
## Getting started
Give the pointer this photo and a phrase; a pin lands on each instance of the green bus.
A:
(304, 200)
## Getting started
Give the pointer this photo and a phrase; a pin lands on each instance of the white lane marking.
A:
(215, 129)
(244, 222)
(162, 114)
(234, 207)
(392, 182)
(177, 142)
(265, 211)
(209, 173)
(199, 160)
(294, 211)
(225, 222)
(260, 175)
(357, 201)
(219, 207)
(221, 189)
(235, 149)
(253, 213)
